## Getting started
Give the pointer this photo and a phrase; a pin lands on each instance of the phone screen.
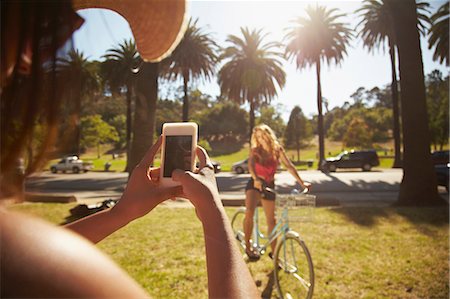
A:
(178, 154)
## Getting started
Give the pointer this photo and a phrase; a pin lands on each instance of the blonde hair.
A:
(274, 145)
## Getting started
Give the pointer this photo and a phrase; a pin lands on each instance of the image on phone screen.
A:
(178, 154)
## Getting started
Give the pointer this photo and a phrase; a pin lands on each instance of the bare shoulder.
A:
(42, 260)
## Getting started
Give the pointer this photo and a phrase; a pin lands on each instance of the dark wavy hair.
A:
(32, 33)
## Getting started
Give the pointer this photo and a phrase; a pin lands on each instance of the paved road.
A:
(94, 186)
(347, 187)
(386, 180)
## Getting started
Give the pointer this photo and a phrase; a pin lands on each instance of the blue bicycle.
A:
(293, 265)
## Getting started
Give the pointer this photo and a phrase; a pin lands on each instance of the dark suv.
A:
(353, 159)
(440, 157)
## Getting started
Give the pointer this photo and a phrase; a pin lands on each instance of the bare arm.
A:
(40, 260)
(228, 275)
(251, 168)
(291, 168)
(141, 195)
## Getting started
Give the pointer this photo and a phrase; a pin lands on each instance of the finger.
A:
(150, 155)
(153, 173)
(203, 157)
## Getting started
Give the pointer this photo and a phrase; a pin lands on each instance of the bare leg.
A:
(251, 200)
(269, 210)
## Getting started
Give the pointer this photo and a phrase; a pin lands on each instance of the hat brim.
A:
(157, 25)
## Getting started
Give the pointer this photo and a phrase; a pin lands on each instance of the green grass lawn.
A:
(357, 252)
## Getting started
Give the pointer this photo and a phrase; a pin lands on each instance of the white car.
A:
(240, 167)
(71, 163)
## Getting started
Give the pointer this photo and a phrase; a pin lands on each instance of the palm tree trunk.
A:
(395, 110)
(320, 119)
(144, 116)
(76, 118)
(252, 119)
(419, 184)
(129, 122)
(185, 98)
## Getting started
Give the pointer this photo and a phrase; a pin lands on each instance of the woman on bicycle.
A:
(265, 156)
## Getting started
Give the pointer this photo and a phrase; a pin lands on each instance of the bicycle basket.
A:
(301, 206)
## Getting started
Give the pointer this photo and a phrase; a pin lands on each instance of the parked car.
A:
(216, 165)
(240, 167)
(442, 174)
(440, 157)
(71, 163)
(353, 159)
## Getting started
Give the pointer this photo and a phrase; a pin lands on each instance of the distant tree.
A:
(380, 97)
(224, 121)
(298, 131)
(270, 116)
(375, 29)
(81, 75)
(439, 34)
(119, 122)
(316, 38)
(193, 58)
(95, 132)
(199, 102)
(358, 134)
(167, 111)
(376, 120)
(251, 71)
(119, 73)
(438, 108)
(107, 106)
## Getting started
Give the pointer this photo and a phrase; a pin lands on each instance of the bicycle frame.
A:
(281, 228)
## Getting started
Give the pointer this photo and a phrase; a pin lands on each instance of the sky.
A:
(104, 29)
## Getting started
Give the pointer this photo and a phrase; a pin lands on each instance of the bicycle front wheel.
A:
(237, 223)
(294, 273)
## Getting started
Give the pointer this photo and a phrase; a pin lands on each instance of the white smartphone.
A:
(178, 149)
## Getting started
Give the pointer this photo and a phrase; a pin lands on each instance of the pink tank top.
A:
(267, 171)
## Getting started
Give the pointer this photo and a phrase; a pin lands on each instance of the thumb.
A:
(184, 177)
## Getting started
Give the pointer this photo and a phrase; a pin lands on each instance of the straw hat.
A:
(157, 25)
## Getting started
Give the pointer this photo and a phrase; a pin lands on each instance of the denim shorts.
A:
(251, 186)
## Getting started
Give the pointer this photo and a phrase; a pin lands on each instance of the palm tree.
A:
(251, 70)
(419, 185)
(376, 28)
(439, 34)
(79, 74)
(316, 38)
(194, 57)
(118, 71)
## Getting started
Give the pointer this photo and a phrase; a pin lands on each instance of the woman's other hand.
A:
(200, 187)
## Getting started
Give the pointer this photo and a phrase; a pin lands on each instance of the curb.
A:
(239, 201)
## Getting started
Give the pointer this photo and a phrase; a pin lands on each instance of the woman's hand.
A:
(307, 186)
(143, 192)
(258, 184)
(200, 187)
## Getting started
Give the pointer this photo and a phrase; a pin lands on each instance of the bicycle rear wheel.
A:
(237, 223)
(294, 274)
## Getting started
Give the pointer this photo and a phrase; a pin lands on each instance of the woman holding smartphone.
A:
(265, 156)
